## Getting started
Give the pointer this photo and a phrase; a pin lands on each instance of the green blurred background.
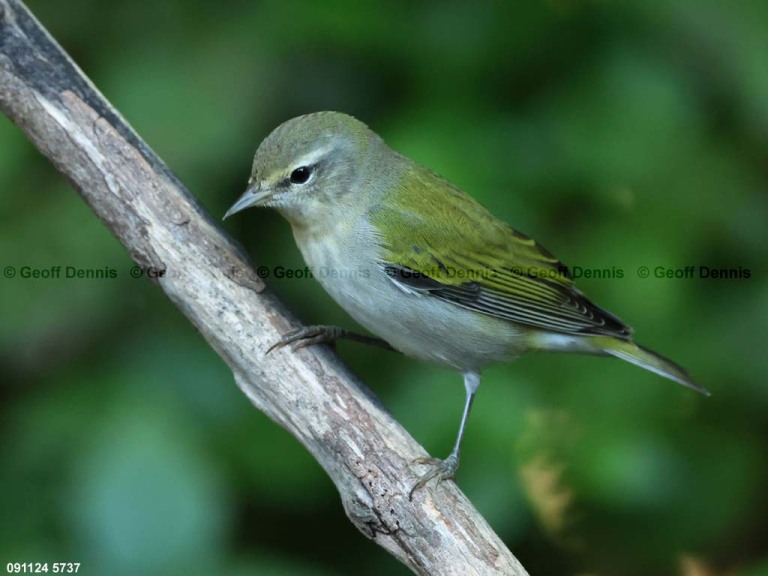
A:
(618, 134)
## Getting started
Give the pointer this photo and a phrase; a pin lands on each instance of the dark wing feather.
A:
(570, 313)
(441, 242)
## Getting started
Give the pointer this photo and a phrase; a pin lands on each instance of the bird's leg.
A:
(444, 469)
(311, 335)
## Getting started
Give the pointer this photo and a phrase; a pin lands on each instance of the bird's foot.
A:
(440, 469)
(308, 336)
(311, 335)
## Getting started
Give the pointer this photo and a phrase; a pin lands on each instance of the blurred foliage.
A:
(618, 134)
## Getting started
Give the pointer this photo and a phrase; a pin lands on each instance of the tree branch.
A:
(309, 392)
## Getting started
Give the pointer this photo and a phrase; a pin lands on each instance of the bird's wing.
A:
(440, 242)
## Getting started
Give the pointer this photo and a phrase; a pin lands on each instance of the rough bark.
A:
(309, 392)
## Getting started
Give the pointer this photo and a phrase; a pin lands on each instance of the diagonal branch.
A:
(309, 392)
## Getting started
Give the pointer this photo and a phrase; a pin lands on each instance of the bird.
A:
(422, 265)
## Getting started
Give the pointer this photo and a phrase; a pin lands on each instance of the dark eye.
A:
(301, 175)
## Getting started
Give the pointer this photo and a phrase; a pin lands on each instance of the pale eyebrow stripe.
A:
(308, 159)
(312, 157)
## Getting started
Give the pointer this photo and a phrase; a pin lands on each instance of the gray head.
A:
(309, 165)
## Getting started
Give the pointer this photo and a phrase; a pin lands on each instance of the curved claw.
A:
(440, 469)
(321, 334)
(303, 337)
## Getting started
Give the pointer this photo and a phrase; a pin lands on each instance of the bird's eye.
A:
(301, 175)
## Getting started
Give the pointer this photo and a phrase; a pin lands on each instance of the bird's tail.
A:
(649, 360)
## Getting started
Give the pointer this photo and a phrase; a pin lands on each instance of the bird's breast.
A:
(344, 259)
(347, 261)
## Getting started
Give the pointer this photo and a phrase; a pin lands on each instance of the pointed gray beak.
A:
(252, 196)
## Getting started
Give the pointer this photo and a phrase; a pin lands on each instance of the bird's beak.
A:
(253, 196)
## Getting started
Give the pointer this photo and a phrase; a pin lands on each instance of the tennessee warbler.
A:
(423, 265)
